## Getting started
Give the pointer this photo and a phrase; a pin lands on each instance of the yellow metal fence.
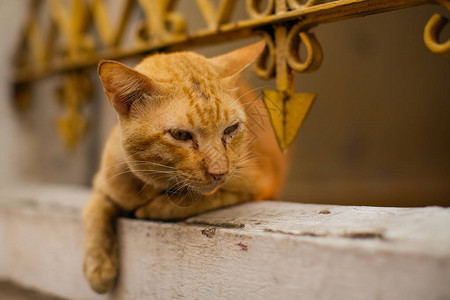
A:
(77, 36)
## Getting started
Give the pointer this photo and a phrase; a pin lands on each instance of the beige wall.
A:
(30, 146)
(8, 123)
(379, 132)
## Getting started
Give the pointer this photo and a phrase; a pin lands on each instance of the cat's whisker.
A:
(129, 171)
(112, 166)
(186, 181)
(182, 199)
(135, 163)
(247, 161)
(153, 172)
(176, 177)
(183, 184)
(156, 171)
(247, 156)
(121, 173)
(134, 154)
(152, 163)
(191, 196)
(122, 162)
(248, 92)
(146, 183)
(246, 169)
(243, 178)
(249, 103)
(178, 186)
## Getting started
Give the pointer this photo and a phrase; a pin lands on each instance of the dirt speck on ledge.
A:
(243, 246)
(209, 232)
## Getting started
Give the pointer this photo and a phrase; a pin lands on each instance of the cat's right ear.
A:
(123, 85)
(233, 63)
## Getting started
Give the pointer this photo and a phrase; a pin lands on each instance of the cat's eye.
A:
(180, 135)
(231, 129)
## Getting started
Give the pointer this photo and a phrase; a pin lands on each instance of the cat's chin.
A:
(207, 193)
(208, 190)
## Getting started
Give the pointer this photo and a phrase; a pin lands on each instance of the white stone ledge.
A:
(264, 250)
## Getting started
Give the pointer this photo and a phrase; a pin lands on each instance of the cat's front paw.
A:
(100, 270)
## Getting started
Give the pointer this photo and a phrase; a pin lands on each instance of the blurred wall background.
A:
(378, 133)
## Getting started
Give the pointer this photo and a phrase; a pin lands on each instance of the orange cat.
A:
(190, 139)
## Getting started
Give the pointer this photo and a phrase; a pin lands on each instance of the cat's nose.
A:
(217, 176)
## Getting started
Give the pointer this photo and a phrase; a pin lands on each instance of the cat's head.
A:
(183, 126)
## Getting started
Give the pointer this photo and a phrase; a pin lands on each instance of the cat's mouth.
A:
(181, 184)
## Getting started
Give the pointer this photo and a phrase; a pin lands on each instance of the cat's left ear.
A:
(234, 62)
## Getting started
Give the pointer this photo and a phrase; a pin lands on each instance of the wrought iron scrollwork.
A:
(287, 110)
(76, 38)
(256, 10)
(433, 29)
(295, 4)
(265, 64)
(314, 51)
(74, 92)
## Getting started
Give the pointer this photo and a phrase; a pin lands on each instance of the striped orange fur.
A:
(190, 138)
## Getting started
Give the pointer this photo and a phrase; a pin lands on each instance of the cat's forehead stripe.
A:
(211, 113)
(199, 90)
(200, 114)
(226, 116)
(217, 112)
(189, 118)
(188, 93)
(199, 83)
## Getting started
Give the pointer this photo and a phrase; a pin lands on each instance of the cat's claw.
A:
(100, 270)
